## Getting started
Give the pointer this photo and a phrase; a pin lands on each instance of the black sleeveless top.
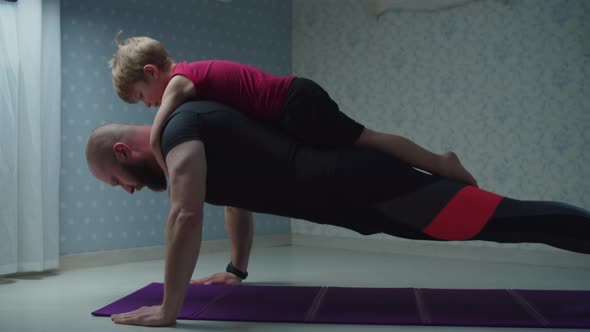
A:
(257, 167)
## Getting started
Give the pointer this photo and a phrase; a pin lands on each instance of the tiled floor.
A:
(63, 301)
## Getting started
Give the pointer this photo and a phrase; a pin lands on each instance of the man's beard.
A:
(145, 174)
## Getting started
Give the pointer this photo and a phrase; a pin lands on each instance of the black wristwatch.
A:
(234, 270)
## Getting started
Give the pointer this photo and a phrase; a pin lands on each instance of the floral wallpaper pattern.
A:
(94, 216)
(505, 84)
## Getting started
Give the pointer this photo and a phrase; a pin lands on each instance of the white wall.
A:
(505, 84)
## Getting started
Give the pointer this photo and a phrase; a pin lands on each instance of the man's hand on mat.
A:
(222, 278)
(145, 316)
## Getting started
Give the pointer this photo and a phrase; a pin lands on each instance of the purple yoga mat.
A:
(385, 306)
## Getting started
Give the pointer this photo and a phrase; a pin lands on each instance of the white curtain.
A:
(30, 89)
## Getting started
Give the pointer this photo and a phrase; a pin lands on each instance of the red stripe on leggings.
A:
(465, 214)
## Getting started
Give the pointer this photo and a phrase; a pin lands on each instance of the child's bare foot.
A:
(452, 168)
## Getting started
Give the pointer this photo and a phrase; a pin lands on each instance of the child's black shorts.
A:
(310, 115)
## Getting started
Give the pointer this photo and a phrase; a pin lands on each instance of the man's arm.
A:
(188, 173)
(179, 90)
(240, 227)
(183, 234)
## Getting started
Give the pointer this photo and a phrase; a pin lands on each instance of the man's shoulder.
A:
(191, 120)
(181, 126)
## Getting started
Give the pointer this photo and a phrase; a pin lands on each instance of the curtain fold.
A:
(30, 94)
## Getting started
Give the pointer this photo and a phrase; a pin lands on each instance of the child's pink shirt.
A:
(244, 87)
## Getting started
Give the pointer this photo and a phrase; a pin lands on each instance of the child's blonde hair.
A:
(128, 62)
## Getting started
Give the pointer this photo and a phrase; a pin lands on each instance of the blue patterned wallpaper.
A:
(94, 216)
(505, 84)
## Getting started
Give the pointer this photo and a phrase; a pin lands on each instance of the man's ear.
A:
(122, 151)
(151, 71)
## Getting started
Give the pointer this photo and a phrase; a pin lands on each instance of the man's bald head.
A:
(99, 147)
(120, 154)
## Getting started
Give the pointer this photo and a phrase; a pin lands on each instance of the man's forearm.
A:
(240, 228)
(183, 242)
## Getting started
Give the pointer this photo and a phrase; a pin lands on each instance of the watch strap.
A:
(234, 270)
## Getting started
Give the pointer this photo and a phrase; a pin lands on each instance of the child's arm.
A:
(178, 90)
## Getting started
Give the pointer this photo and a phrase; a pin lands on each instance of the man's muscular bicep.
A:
(187, 167)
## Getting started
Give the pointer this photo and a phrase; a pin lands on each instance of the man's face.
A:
(133, 175)
(146, 174)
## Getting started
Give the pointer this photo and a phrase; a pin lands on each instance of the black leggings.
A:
(561, 230)
(556, 224)
(396, 199)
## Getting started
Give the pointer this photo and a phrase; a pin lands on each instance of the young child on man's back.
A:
(143, 71)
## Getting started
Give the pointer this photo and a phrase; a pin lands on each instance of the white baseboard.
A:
(113, 257)
(549, 257)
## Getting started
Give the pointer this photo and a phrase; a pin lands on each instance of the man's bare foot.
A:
(452, 168)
